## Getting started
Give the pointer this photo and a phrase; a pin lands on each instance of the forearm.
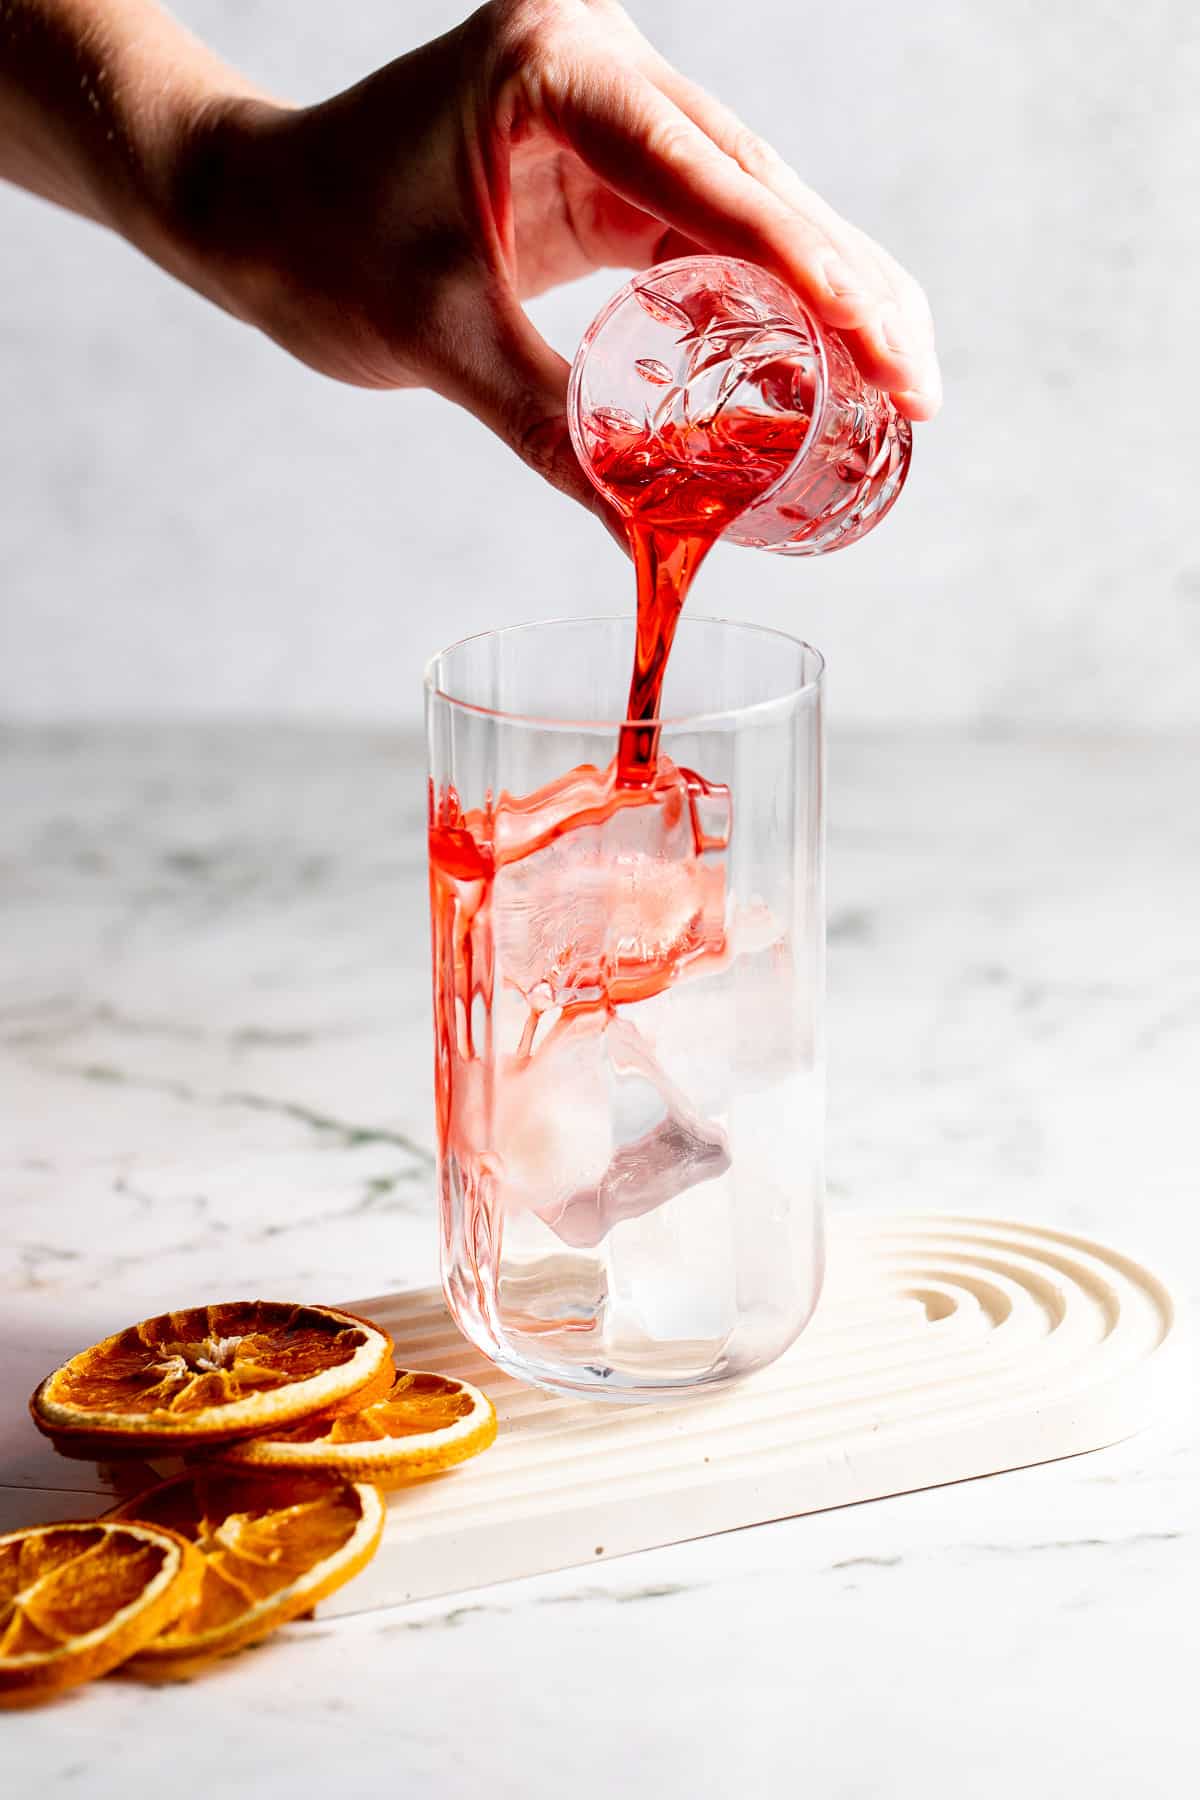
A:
(100, 102)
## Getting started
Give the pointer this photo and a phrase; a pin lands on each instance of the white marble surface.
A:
(214, 1078)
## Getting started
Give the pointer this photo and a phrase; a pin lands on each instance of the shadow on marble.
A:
(30, 1347)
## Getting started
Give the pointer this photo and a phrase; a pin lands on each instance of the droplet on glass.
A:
(653, 371)
(661, 308)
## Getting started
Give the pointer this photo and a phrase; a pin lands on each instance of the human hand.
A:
(388, 236)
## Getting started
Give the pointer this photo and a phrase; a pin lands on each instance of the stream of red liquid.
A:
(678, 489)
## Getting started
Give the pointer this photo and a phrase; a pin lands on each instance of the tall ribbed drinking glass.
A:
(628, 992)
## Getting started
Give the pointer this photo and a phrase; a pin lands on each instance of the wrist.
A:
(209, 214)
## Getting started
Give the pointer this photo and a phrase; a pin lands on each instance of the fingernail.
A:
(926, 400)
(841, 280)
(930, 384)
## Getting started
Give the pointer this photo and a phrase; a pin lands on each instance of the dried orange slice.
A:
(211, 1373)
(427, 1424)
(272, 1547)
(77, 1599)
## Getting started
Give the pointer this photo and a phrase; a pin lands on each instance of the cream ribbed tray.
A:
(942, 1348)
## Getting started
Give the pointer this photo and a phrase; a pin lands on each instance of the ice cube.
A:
(543, 1120)
(669, 1149)
(655, 1168)
(548, 921)
(613, 908)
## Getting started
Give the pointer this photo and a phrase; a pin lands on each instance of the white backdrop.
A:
(191, 524)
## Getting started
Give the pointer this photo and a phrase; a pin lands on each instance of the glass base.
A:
(603, 1352)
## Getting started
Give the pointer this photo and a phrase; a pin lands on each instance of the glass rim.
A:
(752, 710)
(816, 419)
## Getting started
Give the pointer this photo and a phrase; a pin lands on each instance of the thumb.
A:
(501, 369)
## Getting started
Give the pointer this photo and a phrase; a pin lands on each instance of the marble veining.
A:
(214, 1078)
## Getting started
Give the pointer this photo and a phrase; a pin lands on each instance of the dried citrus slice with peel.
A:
(77, 1599)
(427, 1424)
(272, 1547)
(213, 1372)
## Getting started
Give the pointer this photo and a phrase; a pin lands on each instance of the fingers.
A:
(638, 141)
(493, 362)
(904, 318)
(850, 282)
